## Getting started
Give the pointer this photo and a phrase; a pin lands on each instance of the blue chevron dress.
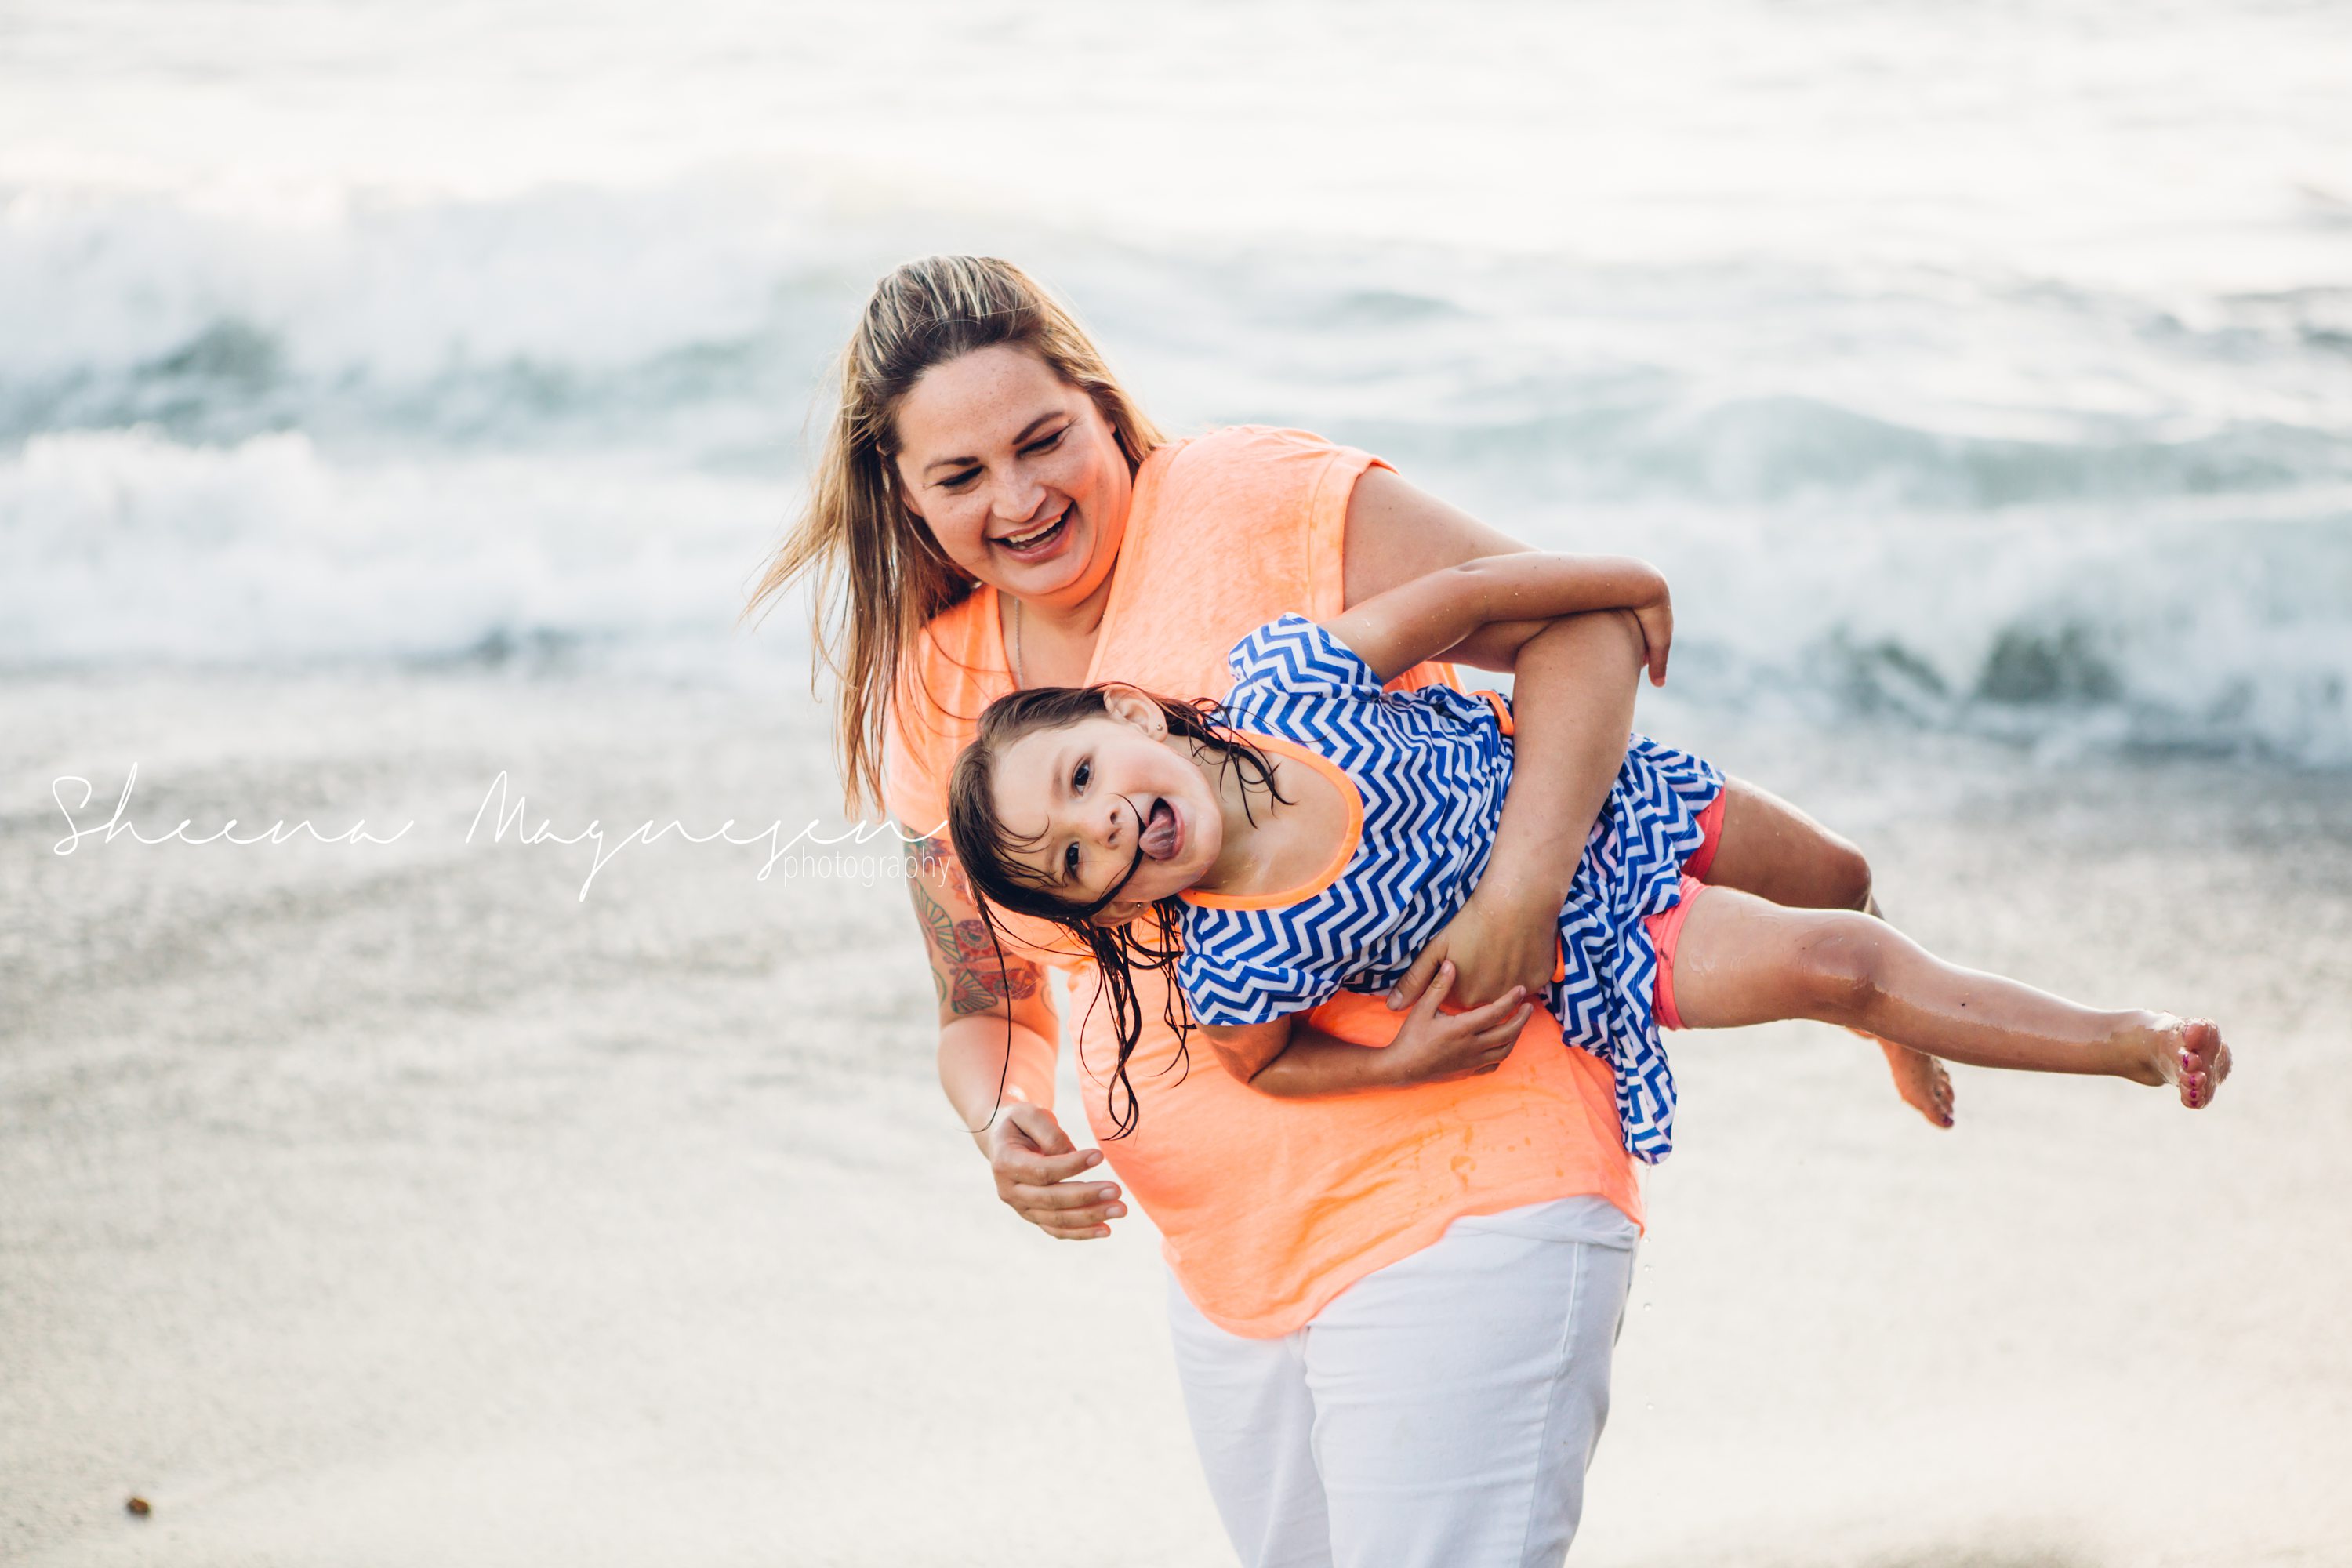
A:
(1433, 766)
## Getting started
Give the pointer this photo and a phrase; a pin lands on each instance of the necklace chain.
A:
(1018, 682)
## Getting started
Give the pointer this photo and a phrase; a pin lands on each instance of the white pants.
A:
(1438, 1413)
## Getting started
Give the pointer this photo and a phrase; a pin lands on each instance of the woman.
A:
(1426, 1280)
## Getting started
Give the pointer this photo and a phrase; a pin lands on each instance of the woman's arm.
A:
(1573, 705)
(1510, 598)
(1291, 1060)
(991, 1004)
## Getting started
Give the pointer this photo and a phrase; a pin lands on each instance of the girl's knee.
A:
(1848, 872)
(1843, 967)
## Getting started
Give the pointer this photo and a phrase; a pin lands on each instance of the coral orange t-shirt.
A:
(1268, 1207)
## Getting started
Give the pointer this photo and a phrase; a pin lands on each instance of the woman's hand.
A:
(1035, 1169)
(1494, 944)
(1433, 1047)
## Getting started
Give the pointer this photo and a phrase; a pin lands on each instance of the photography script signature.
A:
(505, 814)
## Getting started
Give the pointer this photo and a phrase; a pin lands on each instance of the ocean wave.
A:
(2214, 627)
(563, 315)
(1783, 450)
(526, 429)
(697, 316)
(125, 547)
(2225, 628)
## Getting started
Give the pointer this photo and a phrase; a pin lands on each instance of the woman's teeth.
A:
(1032, 539)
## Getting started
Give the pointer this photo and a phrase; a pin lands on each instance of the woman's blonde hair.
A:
(857, 525)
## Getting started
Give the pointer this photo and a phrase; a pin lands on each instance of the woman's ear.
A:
(1129, 705)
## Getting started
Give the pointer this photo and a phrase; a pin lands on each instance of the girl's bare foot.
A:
(1921, 1080)
(2181, 1051)
(2188, 1053)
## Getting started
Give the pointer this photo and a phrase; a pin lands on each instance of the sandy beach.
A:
(392, 1203)
(397, 402)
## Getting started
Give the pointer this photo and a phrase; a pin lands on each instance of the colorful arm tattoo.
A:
(967, 970)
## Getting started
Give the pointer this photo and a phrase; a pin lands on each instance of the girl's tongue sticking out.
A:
(1163, 832)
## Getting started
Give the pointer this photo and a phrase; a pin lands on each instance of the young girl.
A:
(1312, 832)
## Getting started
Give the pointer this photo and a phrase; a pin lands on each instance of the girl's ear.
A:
(1129, 705)
(1116, 914)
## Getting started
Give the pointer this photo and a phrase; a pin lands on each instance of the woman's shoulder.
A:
(948, 670)
(1261, 499)
(1246, 446)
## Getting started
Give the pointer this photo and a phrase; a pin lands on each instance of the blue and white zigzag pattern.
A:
(1631, 869)
(1433, 767)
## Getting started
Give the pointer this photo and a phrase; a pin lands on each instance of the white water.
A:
(1995, 371)
(1967, 369)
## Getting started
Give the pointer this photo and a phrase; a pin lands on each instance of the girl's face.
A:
(1018, 476)
(1086, 797)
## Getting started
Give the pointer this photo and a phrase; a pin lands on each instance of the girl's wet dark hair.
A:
(985, 846)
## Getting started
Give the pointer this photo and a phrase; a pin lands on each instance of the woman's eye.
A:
(1049, 443)
(1079, 775)
(958, 481)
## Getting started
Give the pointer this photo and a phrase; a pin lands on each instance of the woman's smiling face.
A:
(1017, 474)
(1109, 803)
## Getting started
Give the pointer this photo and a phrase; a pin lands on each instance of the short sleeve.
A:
(914, 784)
(934, 705)
(1227, 994)
(1291, 656)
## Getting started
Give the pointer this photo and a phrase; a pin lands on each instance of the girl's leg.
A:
(1743, 961)
(1775, 851)
(1769, 848)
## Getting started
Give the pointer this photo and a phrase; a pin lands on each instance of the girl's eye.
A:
(1079, 775)
(1070, 863)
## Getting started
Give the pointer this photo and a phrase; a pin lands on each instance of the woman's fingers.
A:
(1070, 1209)
(1410, 988)
(1034, 1126)
(1030, 1146)
(1062, 1195)
(1074, 1226)
(1043, 1170)
(1038, 1176)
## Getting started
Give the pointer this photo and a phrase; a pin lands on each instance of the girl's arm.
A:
(1291, 1060)
(1507, 601)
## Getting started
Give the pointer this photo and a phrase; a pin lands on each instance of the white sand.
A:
(389, 1205)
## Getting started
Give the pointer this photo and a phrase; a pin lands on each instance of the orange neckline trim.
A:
(1330, 873)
